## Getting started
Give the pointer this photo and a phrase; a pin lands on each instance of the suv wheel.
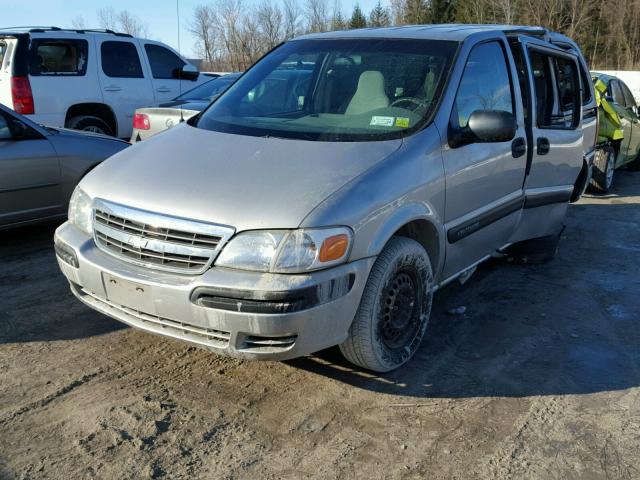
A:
(604, 165)
(395, 308)
(89, 124)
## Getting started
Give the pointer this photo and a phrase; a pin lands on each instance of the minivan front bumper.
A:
(237, 313)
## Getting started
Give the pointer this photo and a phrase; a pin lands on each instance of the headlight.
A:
(80, 211)
(287, 251)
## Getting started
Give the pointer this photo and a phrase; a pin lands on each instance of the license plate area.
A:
(136, 296)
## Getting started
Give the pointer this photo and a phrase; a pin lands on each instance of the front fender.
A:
(412, 212)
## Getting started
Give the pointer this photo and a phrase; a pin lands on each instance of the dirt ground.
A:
(539, 378)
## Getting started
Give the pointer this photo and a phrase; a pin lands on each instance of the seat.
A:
(369, 95)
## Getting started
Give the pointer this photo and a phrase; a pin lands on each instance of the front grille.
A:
(155, 240)
(159, 233)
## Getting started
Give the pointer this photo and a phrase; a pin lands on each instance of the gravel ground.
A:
(539, 378)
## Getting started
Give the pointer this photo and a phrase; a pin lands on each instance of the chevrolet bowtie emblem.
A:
(137, 242)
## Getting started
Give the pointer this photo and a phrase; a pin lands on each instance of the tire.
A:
(603, 169)
(401, 281)
(89, 123)
(534, 251)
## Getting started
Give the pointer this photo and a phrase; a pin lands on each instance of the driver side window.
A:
(485, 84)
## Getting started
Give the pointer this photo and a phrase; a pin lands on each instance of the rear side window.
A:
(628, 96)
(485, 84)
(163, 61)
(557, 88)
(120, 59)
(58, 57)
(616, 92)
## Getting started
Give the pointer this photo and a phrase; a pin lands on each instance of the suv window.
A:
(628, 96)
(163, 61)
(616, 92)
(557, 88)
(58, 57)
(485, 84)
(120, 59)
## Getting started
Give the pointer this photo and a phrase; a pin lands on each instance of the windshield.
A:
(336, 90)
(209, 89)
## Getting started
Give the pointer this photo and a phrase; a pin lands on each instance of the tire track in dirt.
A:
(43, 402)
(513, 457)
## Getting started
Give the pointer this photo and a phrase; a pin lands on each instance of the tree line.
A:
(232, 34)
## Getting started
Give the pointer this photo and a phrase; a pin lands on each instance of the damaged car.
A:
(329, 193)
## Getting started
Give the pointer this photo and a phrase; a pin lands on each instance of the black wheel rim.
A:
(401, 309)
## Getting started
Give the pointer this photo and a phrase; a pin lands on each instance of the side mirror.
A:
(485, 126)
(186, 72)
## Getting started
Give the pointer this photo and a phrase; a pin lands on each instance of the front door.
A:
(164, 65)
(29, 173)
(483, 180)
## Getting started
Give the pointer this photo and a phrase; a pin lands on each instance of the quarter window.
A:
(163, 61)
(58, 57)
(120, 59)
(485, 84)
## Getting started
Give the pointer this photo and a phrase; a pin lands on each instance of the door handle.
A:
(543, 146)
(112, 88)
(163, 89)
(518, 147)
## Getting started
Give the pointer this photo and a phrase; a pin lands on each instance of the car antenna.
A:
(180, 52)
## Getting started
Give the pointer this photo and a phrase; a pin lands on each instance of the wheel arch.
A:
(93, 109)
(419, 224)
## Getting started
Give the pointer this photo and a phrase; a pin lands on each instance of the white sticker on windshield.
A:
(382, 121)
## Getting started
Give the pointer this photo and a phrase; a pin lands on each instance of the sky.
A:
(159, 15)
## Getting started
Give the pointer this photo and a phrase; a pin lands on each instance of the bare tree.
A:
(107, 18)
(270, 23)
(291, 13)
(129, 23)
(203, 28)
(79, 22)
(316, 15)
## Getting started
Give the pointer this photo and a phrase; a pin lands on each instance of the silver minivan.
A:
(326, 196)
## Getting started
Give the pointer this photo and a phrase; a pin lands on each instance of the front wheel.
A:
(394, 310)
(604, 165)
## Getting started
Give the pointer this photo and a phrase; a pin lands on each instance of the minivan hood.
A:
(240, 181)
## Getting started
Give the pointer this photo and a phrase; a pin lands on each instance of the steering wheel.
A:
(418, 102)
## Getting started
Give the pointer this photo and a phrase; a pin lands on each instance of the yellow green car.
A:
(619, 130)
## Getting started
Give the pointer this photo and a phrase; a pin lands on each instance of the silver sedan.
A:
(40, 167)
(152, 120)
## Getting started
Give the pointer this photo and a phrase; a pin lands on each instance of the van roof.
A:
(455, 32)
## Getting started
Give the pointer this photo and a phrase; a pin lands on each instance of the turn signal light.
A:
(141, 121)
(334, 248)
